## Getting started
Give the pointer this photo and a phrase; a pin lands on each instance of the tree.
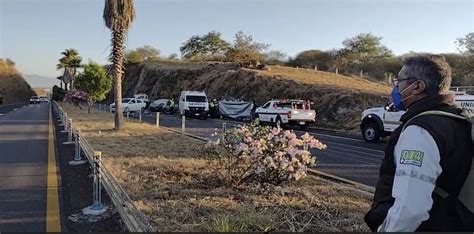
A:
(10, 62)
(173, 56)
(323, 60)
(94, 81)
(60, 78)
(364, 47)
(118, 17)
(466, 43)
(206, 47)
(141, 54)
(461, 67)
(69, 62)
(275, 57)
(245, 50)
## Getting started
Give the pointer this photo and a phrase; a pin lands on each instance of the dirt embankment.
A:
(13, 88)
(339, 100)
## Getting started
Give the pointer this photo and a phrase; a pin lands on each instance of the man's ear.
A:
(420, 87)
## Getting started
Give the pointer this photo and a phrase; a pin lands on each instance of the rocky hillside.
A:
(339, 100)
(13, 88)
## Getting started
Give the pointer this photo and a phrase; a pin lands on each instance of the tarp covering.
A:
(236, 109)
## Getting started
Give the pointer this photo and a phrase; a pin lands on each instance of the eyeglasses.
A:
(395, 81)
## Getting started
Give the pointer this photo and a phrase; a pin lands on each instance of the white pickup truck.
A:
(380, 122)
(283, 112)
(130, 105)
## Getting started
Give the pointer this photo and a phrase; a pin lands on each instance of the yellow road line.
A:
(53, 221)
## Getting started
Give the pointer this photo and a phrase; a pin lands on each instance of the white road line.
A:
(15, 109)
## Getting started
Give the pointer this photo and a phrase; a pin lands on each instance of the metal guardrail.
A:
(133, 219)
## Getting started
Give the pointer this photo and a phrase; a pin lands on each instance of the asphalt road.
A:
(24, 168)
(347, 155)
(7, 108)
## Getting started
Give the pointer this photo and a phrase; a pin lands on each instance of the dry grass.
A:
(175, 188)
(307, 76)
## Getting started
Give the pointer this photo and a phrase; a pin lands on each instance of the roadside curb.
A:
(360, 186)
(60, 181)
(186, 134)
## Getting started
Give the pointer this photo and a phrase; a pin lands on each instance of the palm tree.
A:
(69, 62)
(118, 17)
(60, 78)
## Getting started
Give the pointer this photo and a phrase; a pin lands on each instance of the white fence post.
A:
(77, 153)
(69, 133)
(140, 116)
(65, 124)
(61, 123)
(97, 208)
(224, 129)
(157, 119)
(183, 123)
(128, 114)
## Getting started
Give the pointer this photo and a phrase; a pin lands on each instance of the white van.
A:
(193, 103)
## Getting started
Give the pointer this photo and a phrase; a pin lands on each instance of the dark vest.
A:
(453, 139)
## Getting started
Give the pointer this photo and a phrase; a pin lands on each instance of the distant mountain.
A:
(37, 81)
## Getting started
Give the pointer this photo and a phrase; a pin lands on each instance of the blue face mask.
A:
(397, 99)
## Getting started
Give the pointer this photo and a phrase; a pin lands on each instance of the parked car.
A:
(158, 105)
(43, 99)
(380, 122)
(142, 97)
(286, 112)
(193, 103)
(34, 100)
(130, 105)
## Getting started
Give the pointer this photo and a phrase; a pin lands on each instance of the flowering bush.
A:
(254, 153)
(76, 97)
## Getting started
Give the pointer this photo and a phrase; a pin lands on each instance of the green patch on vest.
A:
(412, 157)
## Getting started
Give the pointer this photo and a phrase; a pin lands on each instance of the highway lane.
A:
(346, 156)
(10, 107)
(25, 143)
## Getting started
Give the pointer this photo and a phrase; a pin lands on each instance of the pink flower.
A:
(276, 131)
(306, 137)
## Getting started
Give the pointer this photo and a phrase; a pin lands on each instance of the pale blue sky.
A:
(34, 32)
